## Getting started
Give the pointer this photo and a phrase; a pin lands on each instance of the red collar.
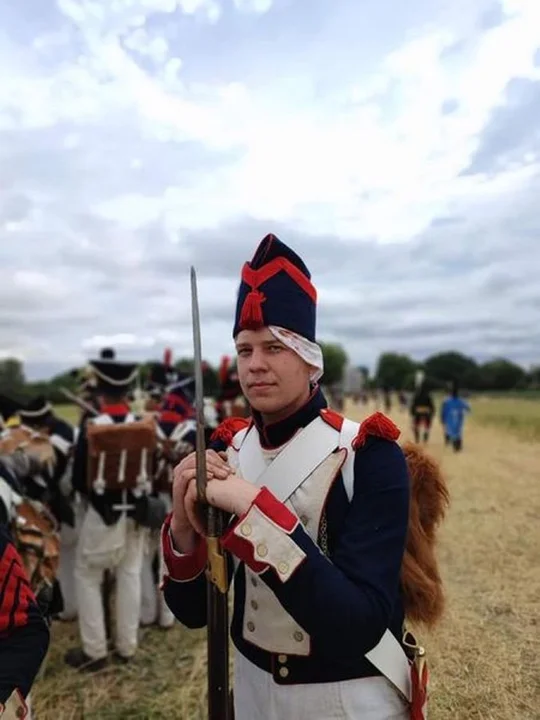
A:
(117, 409)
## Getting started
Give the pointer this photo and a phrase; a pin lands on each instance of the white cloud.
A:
(119, 159)
(256, 6)
(383, 166)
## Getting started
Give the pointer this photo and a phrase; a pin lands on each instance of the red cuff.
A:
(182, 568)
(275, 511)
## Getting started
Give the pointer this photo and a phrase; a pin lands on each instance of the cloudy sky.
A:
(395, 145)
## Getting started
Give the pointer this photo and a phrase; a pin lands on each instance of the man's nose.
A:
(257, 360)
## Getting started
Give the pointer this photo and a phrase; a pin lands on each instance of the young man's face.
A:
(273, 377)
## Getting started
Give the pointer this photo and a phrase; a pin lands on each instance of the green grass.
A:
(520, 417)
(69, 413)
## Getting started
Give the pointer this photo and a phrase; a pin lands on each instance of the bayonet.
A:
(217, 579)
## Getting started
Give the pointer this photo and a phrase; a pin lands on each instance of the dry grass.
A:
(485, 657)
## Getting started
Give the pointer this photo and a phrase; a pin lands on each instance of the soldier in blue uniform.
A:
(175, 418)
(8, 412)
(319, 541)
(24, 633)
(115, 527)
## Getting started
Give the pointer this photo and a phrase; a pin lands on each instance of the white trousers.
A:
(258, 697)
(69, 537)
(119, 547)
(153, 605)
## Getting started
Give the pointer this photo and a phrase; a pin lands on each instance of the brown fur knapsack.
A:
(420, 575)
(429, 498)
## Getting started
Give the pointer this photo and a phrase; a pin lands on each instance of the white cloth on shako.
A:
(309, 351)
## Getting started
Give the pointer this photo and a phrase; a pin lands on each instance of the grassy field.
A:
(484, 657)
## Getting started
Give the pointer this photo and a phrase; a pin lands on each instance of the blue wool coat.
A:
(344, 605)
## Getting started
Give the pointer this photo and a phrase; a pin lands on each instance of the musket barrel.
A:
(219, 707)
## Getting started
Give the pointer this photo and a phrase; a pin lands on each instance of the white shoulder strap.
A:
(349, 430)
(60, 443)
(102, 419)
(387, 656)
(288, 470)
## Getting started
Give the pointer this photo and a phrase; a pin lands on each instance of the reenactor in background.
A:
(175, 418)
(422, 409)
(24, 633)
(453, 412)
(8, 412)
(230, 400)
(113, 469)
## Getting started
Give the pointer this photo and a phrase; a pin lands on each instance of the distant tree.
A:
(445, 367)
(534, 376)
(12, 379)
(184, 365)
(395, 371)
(502, 374)
(335, 360)
(210, 375)
(210, 380)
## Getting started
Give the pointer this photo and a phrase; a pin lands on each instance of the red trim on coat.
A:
(333, 418)
(15, 591)
(186, 567)
(115, 410)
(275, 511)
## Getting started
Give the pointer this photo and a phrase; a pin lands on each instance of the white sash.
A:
(305, 452)
(284, 475)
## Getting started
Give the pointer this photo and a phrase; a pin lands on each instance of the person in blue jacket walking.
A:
(453, 412)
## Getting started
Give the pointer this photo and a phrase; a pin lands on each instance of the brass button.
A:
(298, 636)
(254, 604)
(282, 658)
(283, 671)
(251, 626)
(262, 550)
(253, 581)
(245, 529)
(283, 568)
(303, 520)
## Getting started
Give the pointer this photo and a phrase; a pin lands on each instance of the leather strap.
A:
(294, 464)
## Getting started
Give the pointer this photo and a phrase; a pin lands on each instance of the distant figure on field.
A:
(387, 399)
(422, 411)
(453, 413)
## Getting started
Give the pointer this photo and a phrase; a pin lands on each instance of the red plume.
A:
(167, 357)
(224, 369)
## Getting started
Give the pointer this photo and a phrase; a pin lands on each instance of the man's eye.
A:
(243, 353)
(276, 348)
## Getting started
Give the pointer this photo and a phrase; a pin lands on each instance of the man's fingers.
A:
(191, 506)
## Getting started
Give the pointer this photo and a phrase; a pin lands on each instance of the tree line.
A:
(394, 371)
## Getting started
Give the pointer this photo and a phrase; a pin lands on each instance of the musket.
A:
(219, 707)
(78, 401)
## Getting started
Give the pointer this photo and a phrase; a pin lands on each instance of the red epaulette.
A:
(376, 425)
(333, 418)
(228, 429)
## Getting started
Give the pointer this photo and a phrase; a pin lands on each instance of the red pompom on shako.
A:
(276, 289)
